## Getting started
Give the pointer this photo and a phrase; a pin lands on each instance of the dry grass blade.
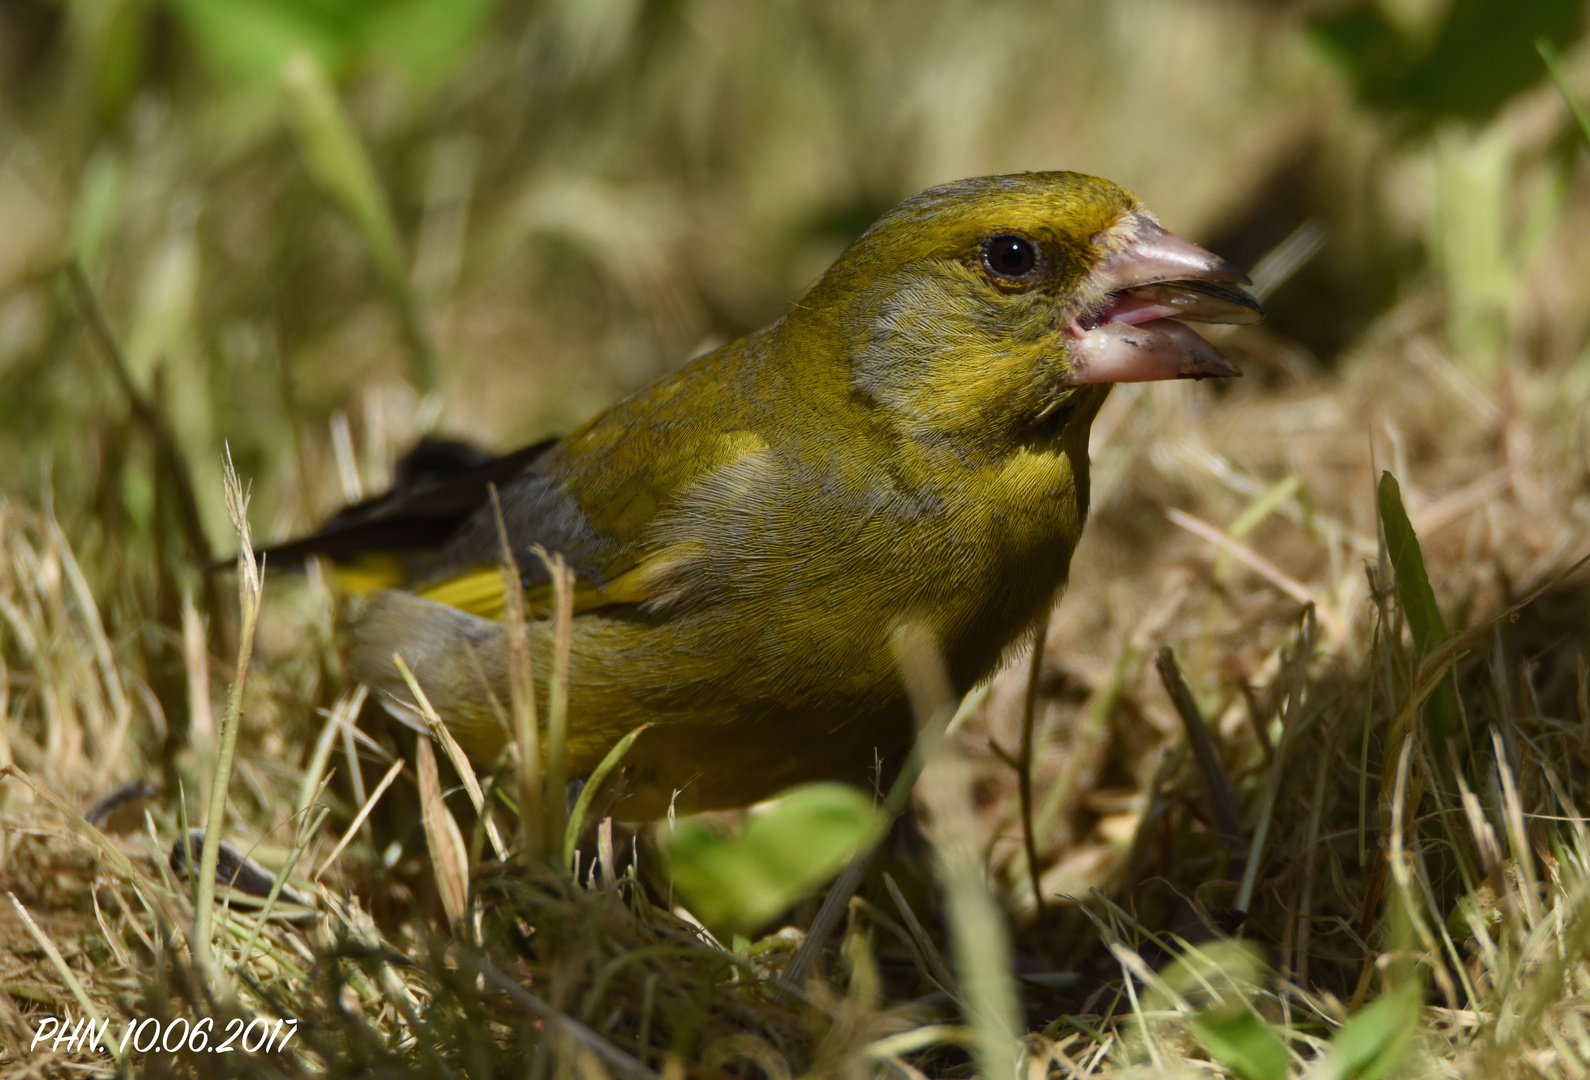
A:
(455, 755)
(563, 202)
(58, 961)
(562, 578)
(937, 969)
(1517, 831)
(522, 699)
(248, 589)
(1259, 565)
(359, 819)
(196, 662)
(449, 857)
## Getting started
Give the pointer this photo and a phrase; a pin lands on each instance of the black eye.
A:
(1010, 256)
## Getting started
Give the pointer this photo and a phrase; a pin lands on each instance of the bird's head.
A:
(987, 309)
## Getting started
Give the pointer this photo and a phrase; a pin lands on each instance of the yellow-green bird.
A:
(909, 442)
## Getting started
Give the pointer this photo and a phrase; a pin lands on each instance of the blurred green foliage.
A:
(249, 40)
(244, 43)
(1465, 62)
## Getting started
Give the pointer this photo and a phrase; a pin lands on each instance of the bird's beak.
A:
(1149, 280)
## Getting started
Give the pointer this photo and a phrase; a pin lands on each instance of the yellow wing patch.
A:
(370, 572)
(480, 593)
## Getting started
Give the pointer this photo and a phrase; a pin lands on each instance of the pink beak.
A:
(1152, 281)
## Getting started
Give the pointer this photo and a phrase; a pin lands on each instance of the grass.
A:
(1335, 831)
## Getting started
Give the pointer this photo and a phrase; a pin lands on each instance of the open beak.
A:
(1151, 287)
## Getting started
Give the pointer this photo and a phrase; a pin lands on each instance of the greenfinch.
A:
(909, 442)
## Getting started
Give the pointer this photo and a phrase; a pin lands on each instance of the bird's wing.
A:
(439, 485)
(626, 514)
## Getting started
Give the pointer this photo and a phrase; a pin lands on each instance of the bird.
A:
(748, 534)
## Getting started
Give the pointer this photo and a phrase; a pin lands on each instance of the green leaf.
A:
(1376, 1040)
(1418, 599)
(1241, 1042)
(787, 848)
(593, 784)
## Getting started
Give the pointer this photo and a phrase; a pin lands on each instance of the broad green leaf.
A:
(1376, 1040)
(1418, 599)
(1241, 1042)
(787, 848)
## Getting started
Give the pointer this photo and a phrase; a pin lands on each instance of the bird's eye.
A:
(1010, 257)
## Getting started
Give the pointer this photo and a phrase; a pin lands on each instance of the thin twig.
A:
(1024, 762)
(1222, 802)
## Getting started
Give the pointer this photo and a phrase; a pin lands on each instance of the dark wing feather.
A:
(439, 486)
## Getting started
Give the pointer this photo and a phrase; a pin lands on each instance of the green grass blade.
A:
(582, 805)
(1425, 622)
(1548, 53)
(1413, 583)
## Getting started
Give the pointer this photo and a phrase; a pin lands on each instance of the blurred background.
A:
(315, 229)
(324, 222)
